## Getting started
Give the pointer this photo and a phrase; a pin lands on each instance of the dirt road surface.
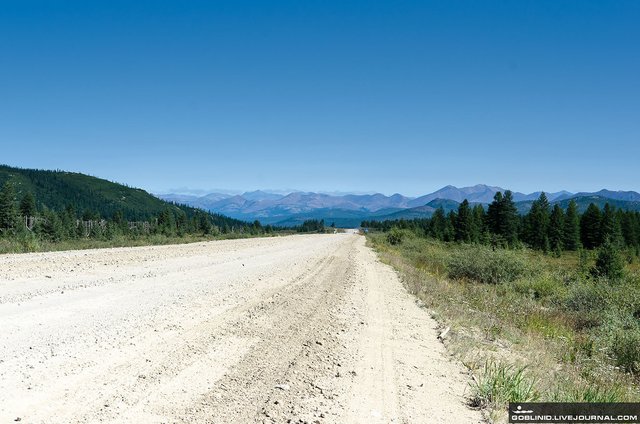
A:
(307, 328)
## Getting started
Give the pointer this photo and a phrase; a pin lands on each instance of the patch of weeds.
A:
(499, 384)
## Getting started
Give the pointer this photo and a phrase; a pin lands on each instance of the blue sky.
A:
(389, 96)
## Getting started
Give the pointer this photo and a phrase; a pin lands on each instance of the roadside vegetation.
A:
(542, 307)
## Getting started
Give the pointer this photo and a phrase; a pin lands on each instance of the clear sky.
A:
(389, 96)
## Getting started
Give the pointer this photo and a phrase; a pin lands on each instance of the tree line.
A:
(543, 228)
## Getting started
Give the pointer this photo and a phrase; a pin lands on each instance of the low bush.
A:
(396, 235)
(588, 297)
(485, 265)
(539, 287)
(625, 349)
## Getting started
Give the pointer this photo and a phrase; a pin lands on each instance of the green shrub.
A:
(609, 263)
(625, 348)
(484, 265)
(539, 286)
(396, 235)
(587, 296)
(29, 242)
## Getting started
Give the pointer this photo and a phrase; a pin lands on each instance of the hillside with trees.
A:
(40, 207)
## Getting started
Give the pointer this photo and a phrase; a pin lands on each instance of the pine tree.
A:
(556, 228)
(503, 218)
(181, 223)
(449, 229)
(494, 213)
(50, 228)
(203, 224)
(167, 223)
(464, 223)
(590, 224)
(9, 218)
(68, 222)
(629, 228)
(28, 205)
(571, 237)
(512, 219)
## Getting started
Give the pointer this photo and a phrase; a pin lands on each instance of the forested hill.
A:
(57, 190)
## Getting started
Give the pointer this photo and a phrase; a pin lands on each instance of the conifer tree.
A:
(464, 223)
(449, 229)
(438, 224)
(571, 236)
(537, 223)
(494, 212)
(181, 223)
(629, 228)
(479, 228)
(503, 218)
(590, 225)
(609, 263)
(610, 226)
(68, 223)
(28, 205)
(556, 228)
(50, 228)
(9, 219)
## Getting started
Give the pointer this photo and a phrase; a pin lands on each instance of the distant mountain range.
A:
(351, 209)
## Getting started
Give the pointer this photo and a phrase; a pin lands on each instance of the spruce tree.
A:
(510, 219)
(610, 225)
(464, 223)
(449, 229)
(571, 237)
(479, 228)
(629, 228)
(9, 218)
(590, 225)
(50, 228)
(537, 224)
(556, 228)
(494, 212)
(609, 263)
(438, 224)
(28, 205)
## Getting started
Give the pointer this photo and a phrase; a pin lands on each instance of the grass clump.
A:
(589, 394)
(500, 383)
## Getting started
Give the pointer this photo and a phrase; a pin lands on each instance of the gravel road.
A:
(307, 328)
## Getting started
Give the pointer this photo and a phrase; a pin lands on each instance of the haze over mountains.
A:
(350, 209)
